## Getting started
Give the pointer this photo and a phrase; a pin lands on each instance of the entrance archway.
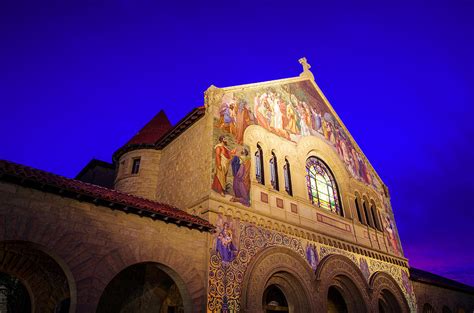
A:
(387, 295)
(342, 285)
(278, 279)
(274, 300)
(336, 302)
(144, 287)
(28, 272)
(388, 303)
(14, 296)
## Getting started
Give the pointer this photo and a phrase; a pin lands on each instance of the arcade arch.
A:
(278, 277)
(145, 287)
(387, 295)
(28, 271)
(343, 285)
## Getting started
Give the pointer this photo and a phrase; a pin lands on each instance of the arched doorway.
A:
(30, 275)
(336, 303)
(14, 296)
(387, 302)
(143, 287)
(278, 280)
(344, 295)
(446, 309)
(387, 294)
(342, 286)
(274, 300)
(427, 308)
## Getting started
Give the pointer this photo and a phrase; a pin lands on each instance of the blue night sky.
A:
(79, 78)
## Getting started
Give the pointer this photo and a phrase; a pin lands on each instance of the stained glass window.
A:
(274, 172)
(322, 189)
(287, 174)
(259, 166)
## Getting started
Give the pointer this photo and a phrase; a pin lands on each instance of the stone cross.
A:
(306, 67)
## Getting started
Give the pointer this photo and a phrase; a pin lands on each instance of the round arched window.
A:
(322, 188)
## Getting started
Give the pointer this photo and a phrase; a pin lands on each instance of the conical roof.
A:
(153, 130)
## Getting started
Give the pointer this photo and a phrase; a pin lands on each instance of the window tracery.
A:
(322, 188)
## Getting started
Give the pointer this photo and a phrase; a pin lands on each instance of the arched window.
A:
(259, 165)
(367, 213)
(375, 216)
(274, 172)
(359, 216)
(322, 188)
(287, 174)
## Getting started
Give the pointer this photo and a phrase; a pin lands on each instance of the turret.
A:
(138, 161)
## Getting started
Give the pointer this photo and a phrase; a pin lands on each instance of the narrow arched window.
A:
(259, 165)
(359, 216)
(322, 188)
(368, 215)
(287, 174)
(274, 172)
(375, 216)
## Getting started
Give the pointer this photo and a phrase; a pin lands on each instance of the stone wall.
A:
(92, 244)
(144, 182)
(185, 167)
(441, 299)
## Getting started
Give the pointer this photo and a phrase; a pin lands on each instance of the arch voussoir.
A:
(340, 272)
(381, 281)
(282, 266)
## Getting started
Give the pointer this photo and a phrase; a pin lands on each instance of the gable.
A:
(292, 110)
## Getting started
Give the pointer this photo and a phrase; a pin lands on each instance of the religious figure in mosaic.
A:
(223, 156)
(406, 281)
(312, 256)
(226, 240)
(241, 172)
(243, 120)
(364, 268)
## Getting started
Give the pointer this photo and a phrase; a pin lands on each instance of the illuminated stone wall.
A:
(238, 127)
(237, 243)
(94, 243)
(185, 166)
(144, 182)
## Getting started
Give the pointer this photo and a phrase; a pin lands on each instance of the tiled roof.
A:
(66, 187)
(165, 137)
(440, 281)
(152, 131)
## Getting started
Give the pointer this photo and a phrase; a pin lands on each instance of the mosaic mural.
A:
(312, 256)
(226, 274)
(400, 274)
(390, 228)
(236, 243)
(292, 111)
(232, 170)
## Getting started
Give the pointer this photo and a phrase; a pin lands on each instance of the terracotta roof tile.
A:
(35, 178)
(153, 130)
(166, 135)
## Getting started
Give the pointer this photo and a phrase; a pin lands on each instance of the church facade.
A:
(274, 209)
